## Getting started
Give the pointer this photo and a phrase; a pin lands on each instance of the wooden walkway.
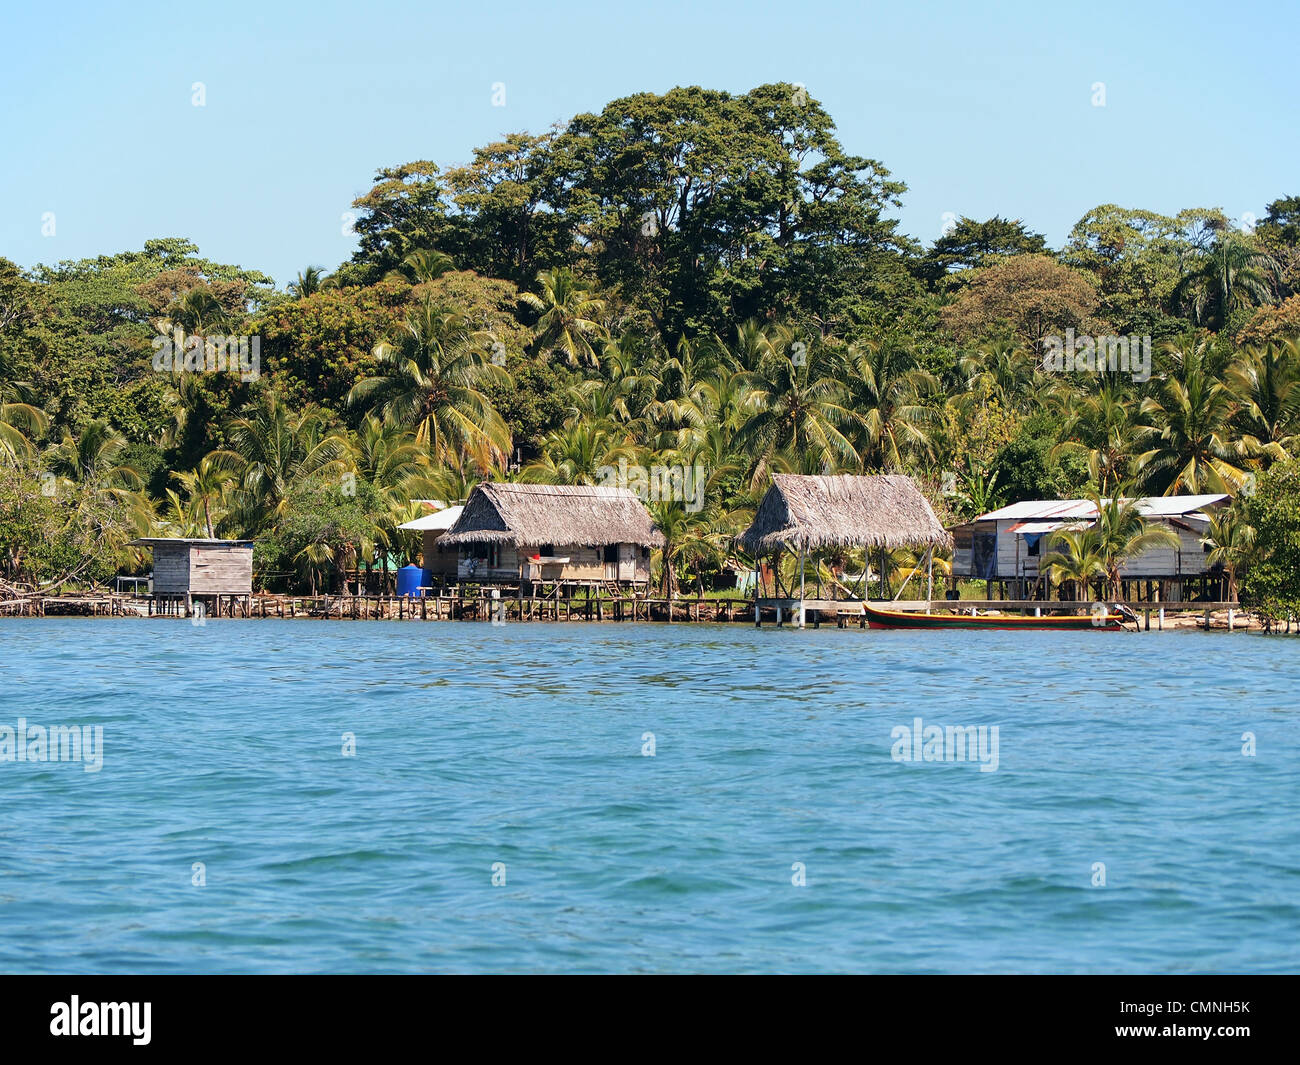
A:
(845, 611)
(507, 609)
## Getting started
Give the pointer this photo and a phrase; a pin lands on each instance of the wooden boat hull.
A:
(899, 619)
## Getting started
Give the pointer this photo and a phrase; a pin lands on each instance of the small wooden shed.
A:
(186, 570)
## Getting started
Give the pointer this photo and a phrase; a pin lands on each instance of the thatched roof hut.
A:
(809, 512)
(533, 514)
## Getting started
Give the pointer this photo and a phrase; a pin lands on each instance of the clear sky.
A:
(981, 109)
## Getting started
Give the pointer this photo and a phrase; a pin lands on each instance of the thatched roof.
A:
(844, 511)
(534, 514)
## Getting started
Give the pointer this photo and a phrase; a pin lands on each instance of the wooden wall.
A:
(439, 563)
(171, 569)
(194, 569)
(584, 564)
(226, 569)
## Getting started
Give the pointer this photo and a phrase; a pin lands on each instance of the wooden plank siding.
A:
(221, 570)
(193, 569)
(171, 569)
(585, 564)
(439, 563)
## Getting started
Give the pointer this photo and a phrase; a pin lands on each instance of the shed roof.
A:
(192, 541)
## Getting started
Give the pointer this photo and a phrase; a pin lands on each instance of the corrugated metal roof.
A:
(1173, 506)
(1041, 508)
(1028, 528)
(439, 520)
(1149, 506)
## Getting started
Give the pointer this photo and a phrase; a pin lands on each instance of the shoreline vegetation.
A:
(688, 281)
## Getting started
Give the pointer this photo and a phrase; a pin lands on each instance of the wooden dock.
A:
(845, 611)
(596, 608)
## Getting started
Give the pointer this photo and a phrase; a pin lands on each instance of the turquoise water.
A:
(523, 744)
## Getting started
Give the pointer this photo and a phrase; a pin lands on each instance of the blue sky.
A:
(981, 109)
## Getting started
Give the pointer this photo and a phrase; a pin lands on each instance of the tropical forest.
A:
(696, 280)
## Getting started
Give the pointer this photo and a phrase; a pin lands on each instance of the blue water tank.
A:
(409, 579)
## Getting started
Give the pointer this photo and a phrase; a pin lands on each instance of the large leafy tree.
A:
(706, 208)
(1272, 582)
(1137, 259)
(970, 244)
(1028, 297)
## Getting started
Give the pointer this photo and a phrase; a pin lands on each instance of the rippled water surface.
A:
(522, 745)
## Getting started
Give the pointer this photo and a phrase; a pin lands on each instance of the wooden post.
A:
(802, 608)
(929, 576)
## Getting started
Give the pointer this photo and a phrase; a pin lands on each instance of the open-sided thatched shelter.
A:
(803, 513)
(810, 513)
(553, 534)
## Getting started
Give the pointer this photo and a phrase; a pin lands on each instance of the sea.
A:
(303, 796)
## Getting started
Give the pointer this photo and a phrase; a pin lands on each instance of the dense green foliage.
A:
(691, 280)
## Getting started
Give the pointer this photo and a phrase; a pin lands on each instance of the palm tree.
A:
(19, 422)
(1101, 426)
(1074, 558)
(577, 452)
(272, 450)
(205, 485)
(800, 405)
(1002, 369)
(387, 456)
(1233, 274)
(424, 265)
(569, 316)
(198, 312)
(885, 386)
(1193, 445)
(753, 344)
(1232, 545)
(310, 281)
(94, 456)
(1121, 534)
(687, 535)
(429, 379)
(1265, 383)
(93, 461)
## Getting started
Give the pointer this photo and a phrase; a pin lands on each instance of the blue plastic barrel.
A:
(409, 579)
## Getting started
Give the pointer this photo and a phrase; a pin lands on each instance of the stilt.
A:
(929, 577)
(802, 575)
